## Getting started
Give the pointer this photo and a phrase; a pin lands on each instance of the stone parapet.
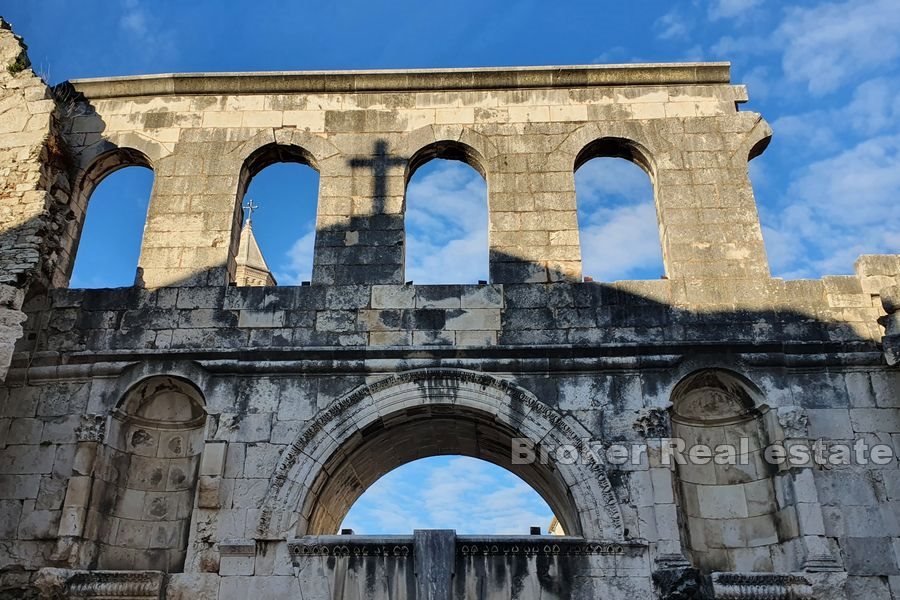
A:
(407, 80)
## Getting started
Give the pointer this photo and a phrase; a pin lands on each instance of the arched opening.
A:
(109, 213)
(617, 219)
(446, 216)
(730, 513)
(144, 493)
(413, 434)
(278, 194)
(437, 412)
(466, 494)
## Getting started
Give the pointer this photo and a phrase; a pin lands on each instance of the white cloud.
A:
(757, 81)
(728, 47)
(147, 33)
(466, 494)
(446, 225)
(601, 177)
(617, 221)
(874, 108)
(841, 207)
(729, 9)
(616, 54)
(827, 45)
(809, 132)
(297, 264)
(134, 19)
(672, 26)
(857, 187)
(784, 250)
(622, 243)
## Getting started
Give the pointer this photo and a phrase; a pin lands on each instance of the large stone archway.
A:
(428, 412)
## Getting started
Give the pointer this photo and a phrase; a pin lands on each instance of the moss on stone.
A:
(20, 64)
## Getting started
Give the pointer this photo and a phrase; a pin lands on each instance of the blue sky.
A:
(825, 74)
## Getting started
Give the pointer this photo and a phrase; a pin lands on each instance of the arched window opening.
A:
(730, 513)
(446, 216)
(116, 194)
(618, 225)
(469, 495)
(279, 196)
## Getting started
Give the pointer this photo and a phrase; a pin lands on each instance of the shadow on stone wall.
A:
(361, 326)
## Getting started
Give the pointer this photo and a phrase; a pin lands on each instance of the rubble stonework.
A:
(193, 437)
(33, 186)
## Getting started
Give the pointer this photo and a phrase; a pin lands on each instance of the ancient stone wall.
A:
(366, 133)
(33, 186)
(209, 438)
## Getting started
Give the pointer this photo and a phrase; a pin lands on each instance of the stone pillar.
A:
(709, 224)
(359, 230)
(192, 215)
(818, 556)
(811, 524)
(70, 545)
(212, 467)
(533, 219)
(435, 557)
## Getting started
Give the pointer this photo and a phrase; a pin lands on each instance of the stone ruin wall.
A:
(188, 430)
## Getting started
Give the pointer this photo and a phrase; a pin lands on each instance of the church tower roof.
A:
(251, 265)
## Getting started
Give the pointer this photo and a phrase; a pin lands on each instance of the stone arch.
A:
(632, 139)
(479, 144)
(135, 141)
(314, 149)
(617, 147)
(268, 148)
(146, 476)
(447, 150)
(93, 170)
(729, 512)
(334, 459)
(130, 377)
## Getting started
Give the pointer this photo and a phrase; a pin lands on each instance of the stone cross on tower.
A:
(248, 209)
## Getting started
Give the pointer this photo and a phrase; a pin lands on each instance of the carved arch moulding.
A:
(297, 501)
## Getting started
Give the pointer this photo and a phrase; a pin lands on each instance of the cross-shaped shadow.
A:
(379, 163)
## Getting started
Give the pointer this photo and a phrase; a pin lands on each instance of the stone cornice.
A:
(414, 80)
(498, 545)
(813, 355)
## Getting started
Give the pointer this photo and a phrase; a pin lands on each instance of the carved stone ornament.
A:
(793, 421)
(653, 423)
(59, 584)
(91, 429)
(760, 586)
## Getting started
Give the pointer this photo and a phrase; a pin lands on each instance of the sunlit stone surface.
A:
(190, 438)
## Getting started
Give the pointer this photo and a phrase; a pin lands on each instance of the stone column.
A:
(72, 535)
(818, 557)
(192, 215)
